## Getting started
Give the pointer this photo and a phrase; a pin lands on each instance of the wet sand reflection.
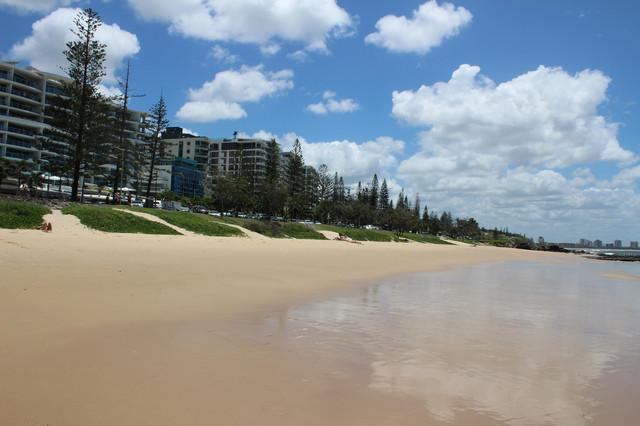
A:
(518, 343)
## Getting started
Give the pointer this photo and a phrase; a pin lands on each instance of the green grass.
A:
(194, 222)
(108, 220)
(360, 234)
(300, 231)
(274, 229)
(21, 215)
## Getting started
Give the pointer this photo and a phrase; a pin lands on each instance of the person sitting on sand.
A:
(46, 226)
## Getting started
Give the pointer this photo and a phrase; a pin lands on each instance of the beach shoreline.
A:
(114, 323)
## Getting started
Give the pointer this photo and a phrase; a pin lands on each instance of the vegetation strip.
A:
(194, 222)
(108, 220)
(21, 215)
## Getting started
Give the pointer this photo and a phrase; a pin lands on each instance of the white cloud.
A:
(354, 161)
(430, 24)
(43, 48)
(221, 54)
(109, 91)
(311, 22)
(544, 117)
(221, 98)
(42, 6)
(331, 104)
(298, 55)
(517, 153)
(269, 49)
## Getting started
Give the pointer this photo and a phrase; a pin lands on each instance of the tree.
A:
(5, 169)
(157, 125)
(416, 206)
(384, 195)
(297, 202)
(296, 170)
(122, 148)
(325, 185)
(374, 192)
(86, 67)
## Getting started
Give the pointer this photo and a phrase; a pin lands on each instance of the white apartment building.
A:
(25, 94)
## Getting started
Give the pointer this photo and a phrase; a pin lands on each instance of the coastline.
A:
(115, 324)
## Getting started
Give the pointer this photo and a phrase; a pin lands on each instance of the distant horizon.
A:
(521, 115)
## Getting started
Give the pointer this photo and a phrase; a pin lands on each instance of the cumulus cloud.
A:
(42, 6)
(519, 152)
(49, 35)
(222, 54)
(352, 160)
(221, 98)
(331, 104)
(429, 25)
(544, 117)
(264, 22)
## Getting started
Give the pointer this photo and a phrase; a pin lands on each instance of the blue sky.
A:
(548, 151)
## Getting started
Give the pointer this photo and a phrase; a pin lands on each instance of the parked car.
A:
(215, 213)
(174, 206)
(137, 203)
(199, 209)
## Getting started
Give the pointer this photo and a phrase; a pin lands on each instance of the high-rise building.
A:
(617, 244)
(633, 244)
(179, 144)
(25, 95)
(239, 155)
(597, 244)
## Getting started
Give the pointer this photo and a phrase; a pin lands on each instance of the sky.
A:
(522, 114)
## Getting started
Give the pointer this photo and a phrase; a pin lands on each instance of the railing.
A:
(4, 89)
(20, 130)
(18, 142)
(25, 95)
(4, 74)
(55, 90)
(19, 79)
(18, 154)
(21, 106)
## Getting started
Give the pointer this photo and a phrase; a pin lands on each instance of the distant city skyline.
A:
(547, 142)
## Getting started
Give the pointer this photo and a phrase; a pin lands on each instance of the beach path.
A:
(152, 218)
(66, 224)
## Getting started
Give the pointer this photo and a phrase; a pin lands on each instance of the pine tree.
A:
(77, 113)
(157, 125)
(384, 195)
(272, 168)
(122, 148)
(416, 206)
(296, 170)
(374, 193)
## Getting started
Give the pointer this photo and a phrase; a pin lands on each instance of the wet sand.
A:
(153, 330)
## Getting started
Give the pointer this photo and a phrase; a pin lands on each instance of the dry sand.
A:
(120, 329)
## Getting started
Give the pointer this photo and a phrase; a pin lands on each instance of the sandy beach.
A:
(140, 330)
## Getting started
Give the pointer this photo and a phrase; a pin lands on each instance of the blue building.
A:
(186, 179)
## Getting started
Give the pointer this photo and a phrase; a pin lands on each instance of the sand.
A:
(121, 329)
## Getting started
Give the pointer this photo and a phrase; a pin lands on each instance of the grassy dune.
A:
(21, 215)
(109, 220)
(194, 222)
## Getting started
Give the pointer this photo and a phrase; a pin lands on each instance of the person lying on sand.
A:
(342, 237)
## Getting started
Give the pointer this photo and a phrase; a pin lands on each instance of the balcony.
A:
(21, 80)
(26, 95)
(20, 130)
(20, 143)
(4, 74)
(19, 155)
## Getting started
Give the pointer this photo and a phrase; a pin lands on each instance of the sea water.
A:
(518, 343)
